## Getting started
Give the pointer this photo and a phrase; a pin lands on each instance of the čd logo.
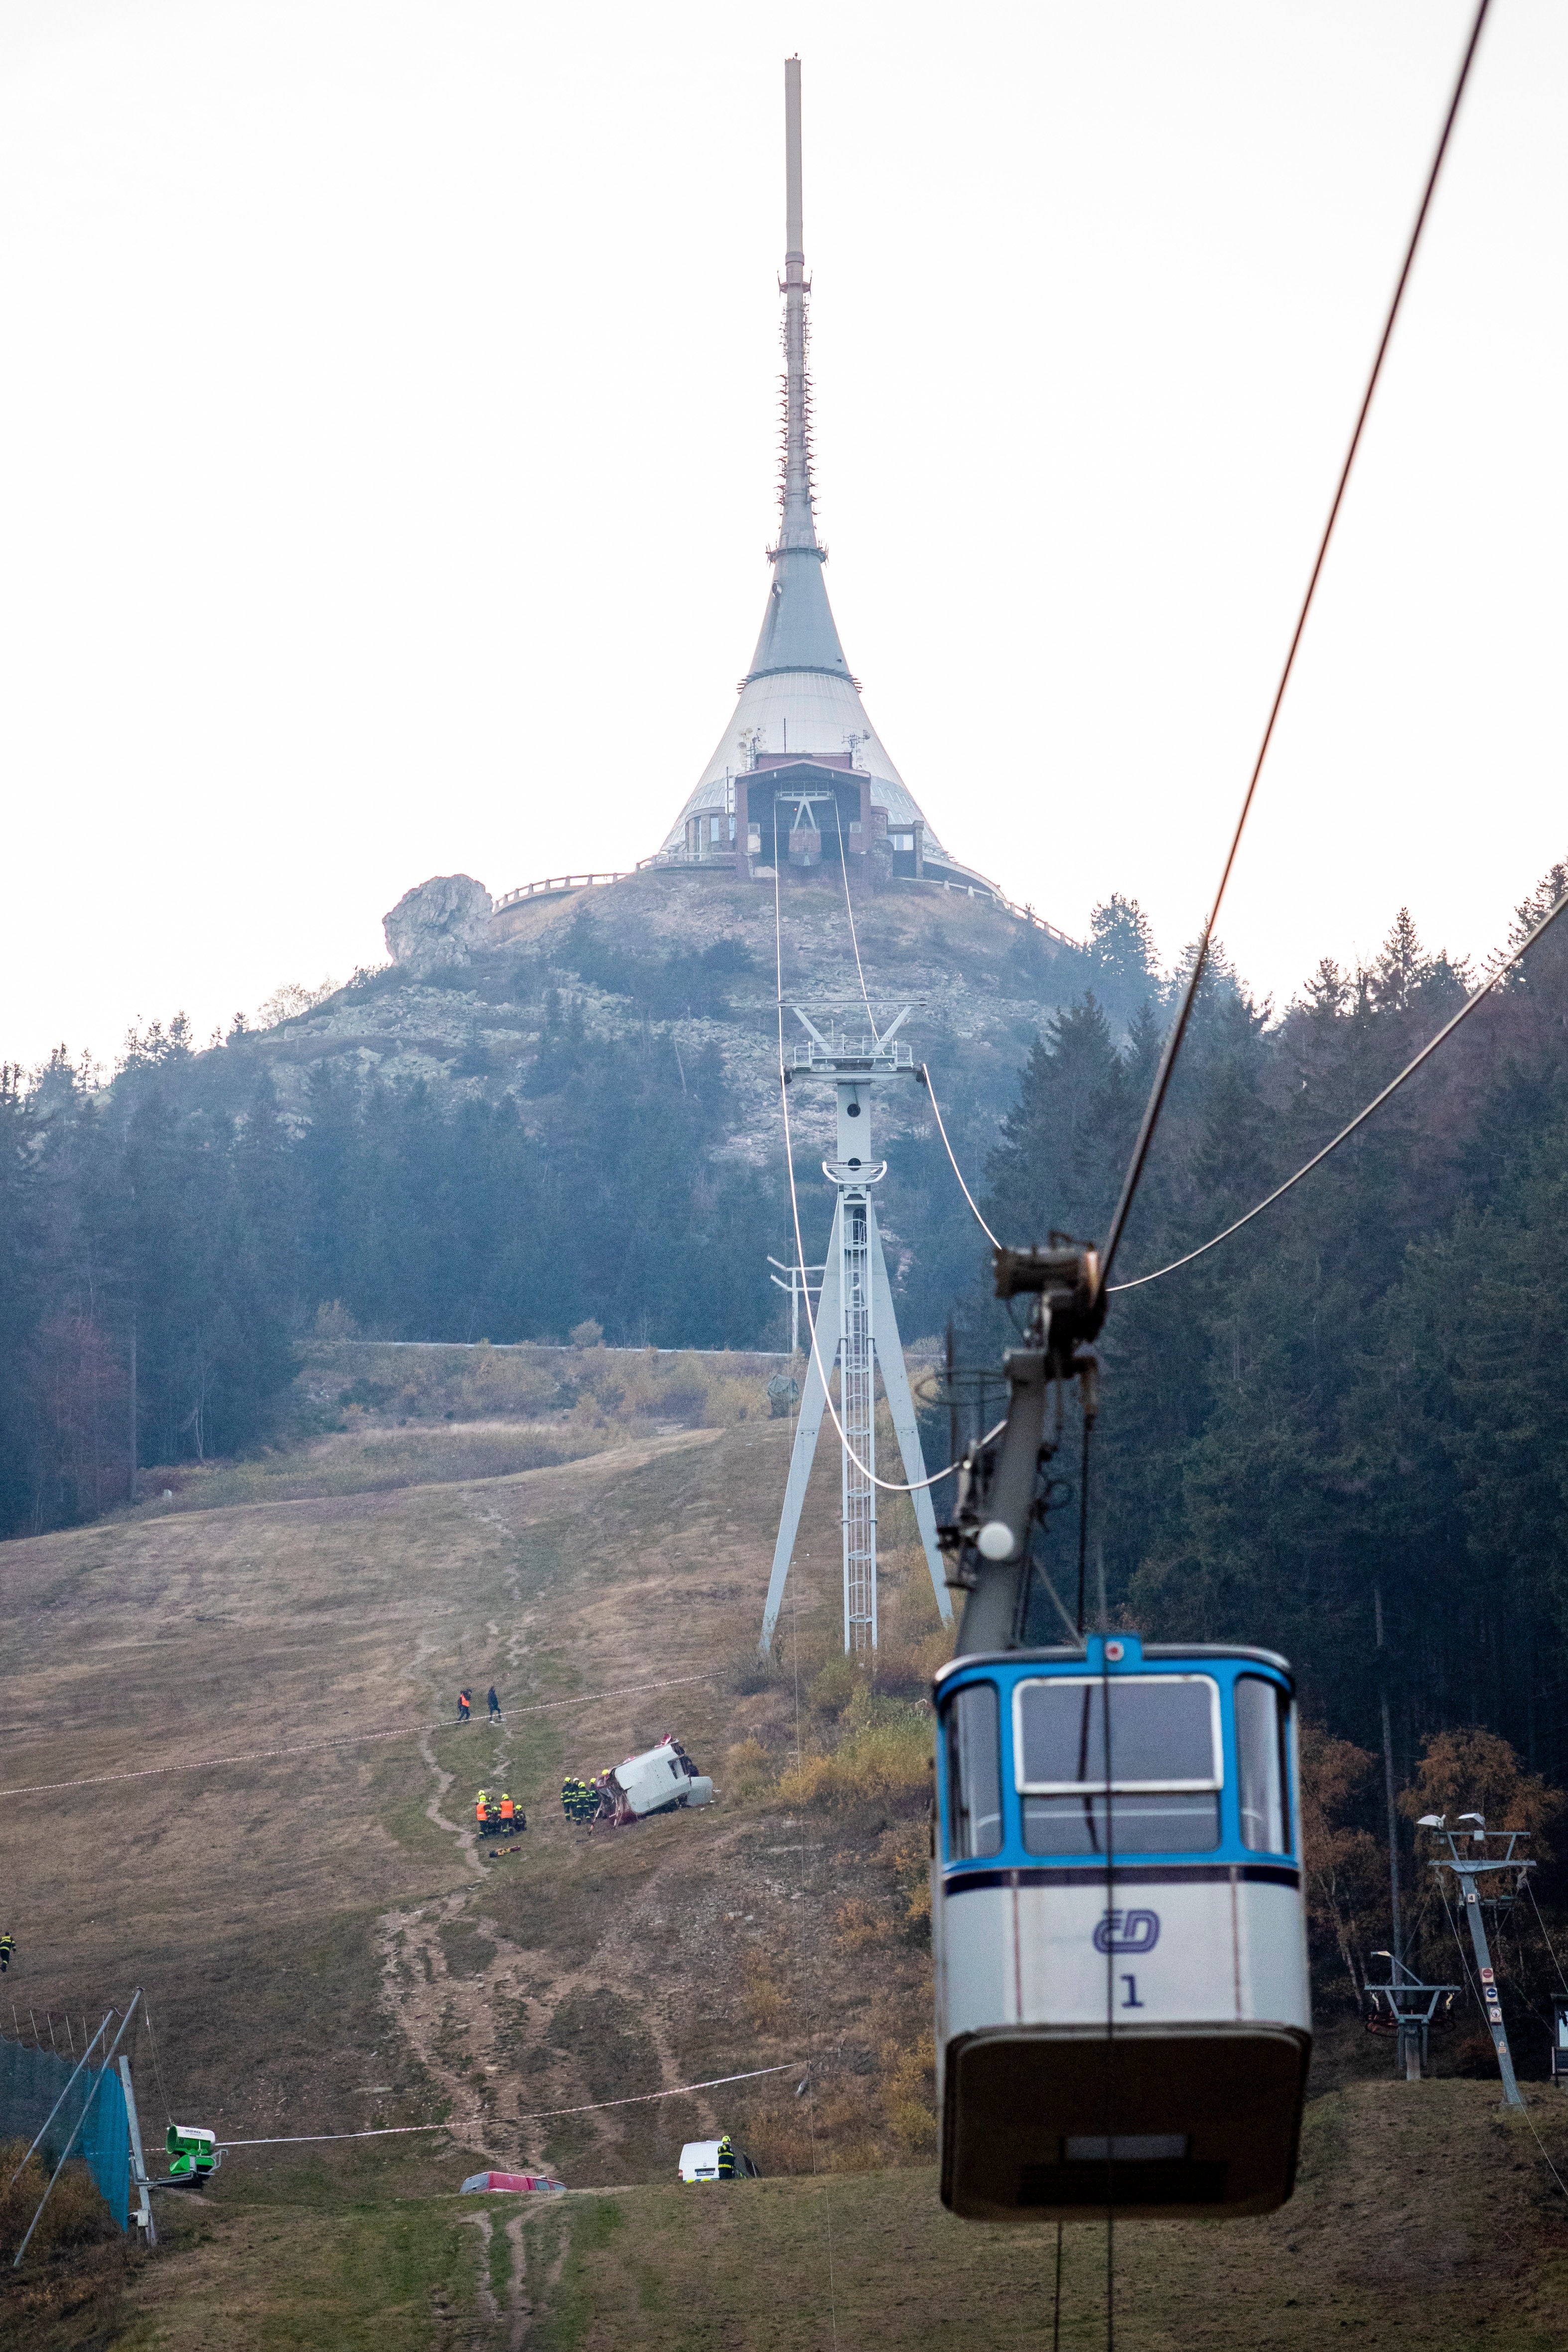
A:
(1128, 1931)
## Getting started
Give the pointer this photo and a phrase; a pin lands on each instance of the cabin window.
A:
(1165, 1775)
(1164, 1733)
(1155, 1824)
(1263, 1780)
(972, 1725)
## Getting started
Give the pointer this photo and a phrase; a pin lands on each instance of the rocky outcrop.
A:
(439, 924)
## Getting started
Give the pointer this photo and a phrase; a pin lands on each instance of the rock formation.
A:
(439, 924)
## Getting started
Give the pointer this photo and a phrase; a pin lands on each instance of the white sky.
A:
(387, 440)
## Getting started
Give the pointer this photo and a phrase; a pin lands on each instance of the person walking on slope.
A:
(493, 1703)
(465, 1706)
(7, 1946)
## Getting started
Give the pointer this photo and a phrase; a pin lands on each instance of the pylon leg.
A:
(813, 1405)
(902, 1406)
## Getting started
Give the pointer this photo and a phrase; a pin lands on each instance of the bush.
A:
(747, 1771)
(76, 2215)
(884, 1761)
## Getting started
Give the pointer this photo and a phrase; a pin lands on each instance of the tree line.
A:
(1342, 1434)
(1349, 1418)
(167, 1242)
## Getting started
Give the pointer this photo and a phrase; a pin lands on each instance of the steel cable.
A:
(888, 1486)
(1469, 1006)
(957, 1170)
(849, 910)
(1160, 1087)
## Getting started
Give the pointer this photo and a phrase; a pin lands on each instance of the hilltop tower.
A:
(800, 776)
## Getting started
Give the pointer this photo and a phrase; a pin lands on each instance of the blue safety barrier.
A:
(31, 2080)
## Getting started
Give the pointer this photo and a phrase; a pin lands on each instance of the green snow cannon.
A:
(193, 2154)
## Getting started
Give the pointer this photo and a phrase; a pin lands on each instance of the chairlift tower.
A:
(1466, 1869)
(1411, 2007)
(857, 1327)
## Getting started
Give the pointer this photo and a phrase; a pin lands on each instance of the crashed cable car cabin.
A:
(1122, 2004)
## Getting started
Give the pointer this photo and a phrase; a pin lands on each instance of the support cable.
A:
(849, 910)
(1083, 1524)
(1056, 2306)
(1475, 1988)
(956, 1169)
(1376, 1103)
(809, 2086)
(157, 2070)
(888, 1486)
(1160, 1087)
(925, 1074)
(1546, 1939)
(1110, 2003)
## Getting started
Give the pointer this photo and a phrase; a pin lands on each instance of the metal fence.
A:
(31, 2080)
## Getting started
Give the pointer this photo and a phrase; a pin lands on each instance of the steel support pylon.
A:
(856, 1330)
(857, 1379)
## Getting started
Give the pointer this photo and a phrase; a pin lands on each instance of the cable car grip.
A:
(1001, 1495)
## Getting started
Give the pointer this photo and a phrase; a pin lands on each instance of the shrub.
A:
(885, 1760)
(747, 1771)
(767, 2002)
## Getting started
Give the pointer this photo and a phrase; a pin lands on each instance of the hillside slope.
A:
(323, 1951)
(1423, 2223)
(693, 951)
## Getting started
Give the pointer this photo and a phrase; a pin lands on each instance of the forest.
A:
(1348, 1419)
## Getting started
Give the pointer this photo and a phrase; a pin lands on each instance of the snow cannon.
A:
(192, 2153)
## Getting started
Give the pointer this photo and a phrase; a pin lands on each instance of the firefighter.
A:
(482, 1810)
(508, 1814)
(726, 2158)
(7, 1946)
(465, 1706)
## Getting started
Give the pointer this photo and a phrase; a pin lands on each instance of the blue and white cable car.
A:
(1123, 2011)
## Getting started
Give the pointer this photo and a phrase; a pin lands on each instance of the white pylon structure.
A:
(857, 1328)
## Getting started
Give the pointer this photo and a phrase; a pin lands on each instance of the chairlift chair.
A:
(1131, 2029)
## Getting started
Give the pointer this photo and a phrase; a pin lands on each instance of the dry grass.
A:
(592, 1384)
(1424, 2222)
(321, 1950)
(76, 2264)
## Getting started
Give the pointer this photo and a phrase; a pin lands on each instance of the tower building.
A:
(800, 776)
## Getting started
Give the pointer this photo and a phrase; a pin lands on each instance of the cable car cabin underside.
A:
(1123, 2013)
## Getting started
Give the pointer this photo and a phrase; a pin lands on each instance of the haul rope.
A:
(340, 1739)
(541, 2114)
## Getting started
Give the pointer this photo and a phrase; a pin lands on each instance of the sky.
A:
(388, 438)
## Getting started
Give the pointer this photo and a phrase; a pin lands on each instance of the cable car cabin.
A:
(1123, 2013)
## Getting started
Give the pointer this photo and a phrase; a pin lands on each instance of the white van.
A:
(716, 2160)
(657, 1782)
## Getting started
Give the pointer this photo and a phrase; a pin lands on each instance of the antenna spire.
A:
(798, 526)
